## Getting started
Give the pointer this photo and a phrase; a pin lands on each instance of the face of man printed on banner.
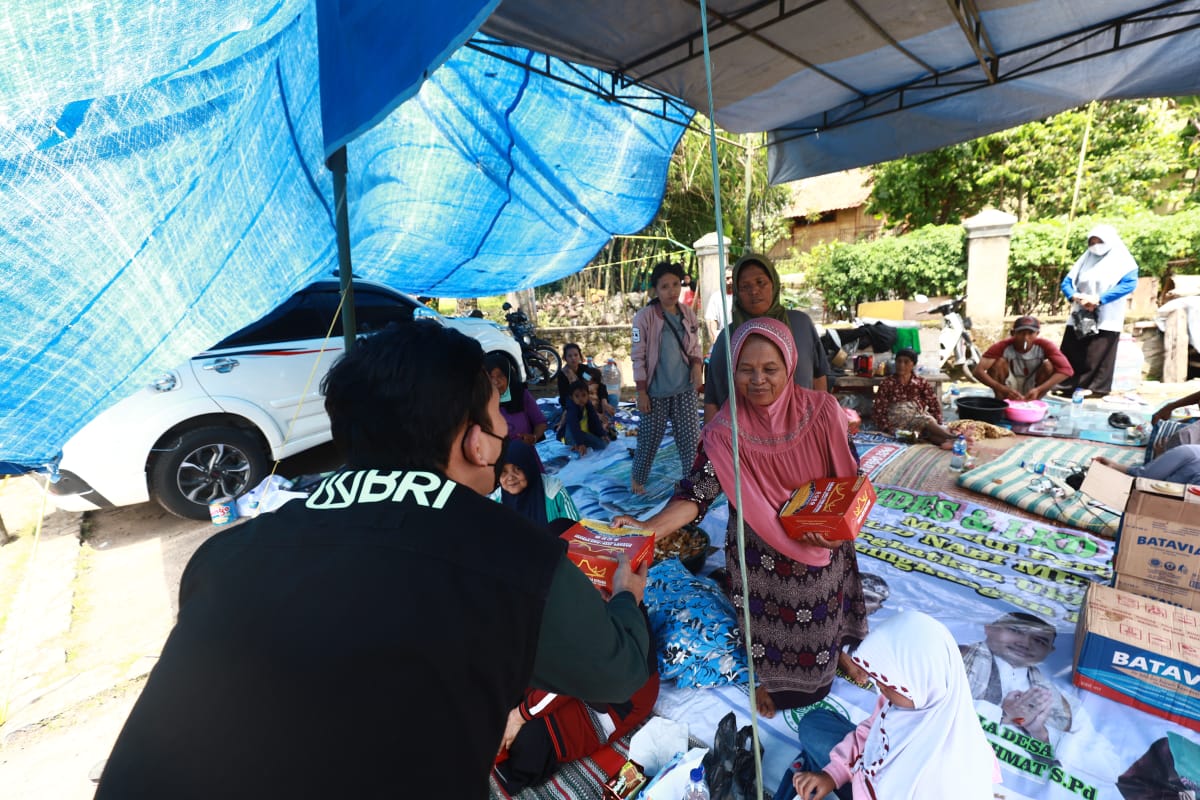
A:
(1020, 644)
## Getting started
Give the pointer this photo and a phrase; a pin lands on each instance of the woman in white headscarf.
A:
(924, 739)
(1097, 287)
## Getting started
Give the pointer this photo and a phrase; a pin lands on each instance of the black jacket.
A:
(367, 642)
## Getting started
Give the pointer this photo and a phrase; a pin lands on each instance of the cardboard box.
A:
(1140, 652)
(1162, 592)
(593, 546)
(833, 507)
(1159, 539)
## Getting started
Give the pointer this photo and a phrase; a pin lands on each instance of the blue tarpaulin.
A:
(163, 184)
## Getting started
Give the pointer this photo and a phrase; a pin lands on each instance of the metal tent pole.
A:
(337, 165)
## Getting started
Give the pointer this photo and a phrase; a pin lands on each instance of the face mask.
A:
(504, 398)
(1099, 249)
(498, 465)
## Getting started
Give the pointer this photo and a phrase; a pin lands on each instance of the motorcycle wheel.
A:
(542, 365)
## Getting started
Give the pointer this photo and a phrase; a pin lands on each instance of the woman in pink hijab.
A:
(806, 599)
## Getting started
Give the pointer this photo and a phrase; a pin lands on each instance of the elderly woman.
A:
(1097, 286)
(906, 400)
(756, 294)
(805, 595)
(523, 488)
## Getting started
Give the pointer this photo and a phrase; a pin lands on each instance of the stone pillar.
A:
(988, 236)
(712, 271)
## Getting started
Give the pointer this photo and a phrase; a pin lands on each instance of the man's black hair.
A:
(399, 399)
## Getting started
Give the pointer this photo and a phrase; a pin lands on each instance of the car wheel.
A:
(206, 464)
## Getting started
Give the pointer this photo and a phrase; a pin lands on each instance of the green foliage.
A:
(931, 260)
(1136, 156)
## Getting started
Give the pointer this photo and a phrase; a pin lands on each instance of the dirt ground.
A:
(84, 612)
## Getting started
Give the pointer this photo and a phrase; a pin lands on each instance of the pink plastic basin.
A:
(1025, 410)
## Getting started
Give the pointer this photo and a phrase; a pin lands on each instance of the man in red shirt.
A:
(1023, 366)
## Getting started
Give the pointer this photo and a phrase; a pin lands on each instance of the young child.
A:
(923, 740)
(598, 396)
(583, 430)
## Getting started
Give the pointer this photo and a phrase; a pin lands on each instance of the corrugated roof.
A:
(837, 190)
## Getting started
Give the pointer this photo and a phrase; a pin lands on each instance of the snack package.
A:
(836, 508)
(593, 546)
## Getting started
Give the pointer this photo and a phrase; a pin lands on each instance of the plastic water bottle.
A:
(1053, 469)
(951, 403)
(696, 789)
(611, 375)
(959, 455)
(1077, 406)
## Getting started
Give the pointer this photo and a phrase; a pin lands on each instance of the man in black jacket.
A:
(370, 641)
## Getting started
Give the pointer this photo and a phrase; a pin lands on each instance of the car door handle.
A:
(222, 365)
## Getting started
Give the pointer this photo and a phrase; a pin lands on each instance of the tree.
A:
(1135, 160)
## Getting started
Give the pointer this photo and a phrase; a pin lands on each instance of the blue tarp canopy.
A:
(163, 182)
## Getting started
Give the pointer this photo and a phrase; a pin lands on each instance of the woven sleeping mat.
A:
(1006, 480)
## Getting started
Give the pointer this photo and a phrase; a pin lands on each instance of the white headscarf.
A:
(1096, 274)
(937, 748)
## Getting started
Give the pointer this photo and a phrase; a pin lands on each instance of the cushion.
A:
(694, 628)
(1005, 479)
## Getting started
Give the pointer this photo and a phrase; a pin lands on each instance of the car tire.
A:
(206, 464)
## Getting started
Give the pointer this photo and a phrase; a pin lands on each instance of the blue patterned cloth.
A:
(694, 628)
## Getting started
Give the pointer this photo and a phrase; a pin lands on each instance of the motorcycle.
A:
(542, 361)
(956, 351)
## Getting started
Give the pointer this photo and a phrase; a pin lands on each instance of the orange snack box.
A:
(833, 507)
(593, 546)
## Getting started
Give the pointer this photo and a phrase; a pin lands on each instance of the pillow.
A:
(694, 628)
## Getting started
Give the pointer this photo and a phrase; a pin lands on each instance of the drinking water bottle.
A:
(959, 455)
(697, 789)
(1077, 405)
(611, 375)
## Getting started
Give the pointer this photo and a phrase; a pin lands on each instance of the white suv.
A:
(211, 427)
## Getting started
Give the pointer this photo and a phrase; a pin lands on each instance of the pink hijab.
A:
(797, 438)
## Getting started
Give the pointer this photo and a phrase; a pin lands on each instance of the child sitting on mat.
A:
(924, 739)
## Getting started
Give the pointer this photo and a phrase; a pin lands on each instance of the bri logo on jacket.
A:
(426, 489)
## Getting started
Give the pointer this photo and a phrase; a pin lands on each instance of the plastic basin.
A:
(1026, 410)
(985, 409)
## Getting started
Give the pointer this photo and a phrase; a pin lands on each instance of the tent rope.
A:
(287, 435)
(737, 463)
(1083, 146)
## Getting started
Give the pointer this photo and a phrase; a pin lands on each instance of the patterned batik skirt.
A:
(800, 616)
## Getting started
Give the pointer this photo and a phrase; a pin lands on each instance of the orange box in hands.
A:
(836, 508)
(593, 546)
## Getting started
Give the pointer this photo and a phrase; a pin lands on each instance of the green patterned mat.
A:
(1006, 480)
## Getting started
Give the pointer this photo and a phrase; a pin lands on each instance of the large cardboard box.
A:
(1140, 652)
(1160, 536)
(833, 507)
(594, 547)
(1164, 593)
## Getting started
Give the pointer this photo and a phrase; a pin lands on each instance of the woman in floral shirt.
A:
(907, 401)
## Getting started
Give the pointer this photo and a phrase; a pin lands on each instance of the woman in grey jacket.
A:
(667, 370)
